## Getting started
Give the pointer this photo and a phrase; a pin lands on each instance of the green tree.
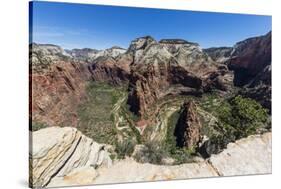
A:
(242, 117)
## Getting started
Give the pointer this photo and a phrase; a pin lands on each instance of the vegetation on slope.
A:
(35, 126)
(95, 118)
(105, 117)
(227, 120)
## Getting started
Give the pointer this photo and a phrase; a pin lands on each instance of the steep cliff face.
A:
(249, 58)
(57, 86)
(188, 128)
(159, 65)
(260, 88)
(108, 69)
(56, 93)
(251, 62)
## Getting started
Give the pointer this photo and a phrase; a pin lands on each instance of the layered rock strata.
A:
(63, 157)
(57, 152)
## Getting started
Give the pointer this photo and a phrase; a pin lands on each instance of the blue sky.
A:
(93, 26)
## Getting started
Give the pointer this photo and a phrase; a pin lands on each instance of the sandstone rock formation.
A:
(63, 151)
(219, 54)
(87, 54)
(170, 63)
(56, 92)
(188, 128)
(153, 70)
(63, 156)
(57, 85)
(251, 155)
(107, 69)
(249, 58)
(251, 62)
(58, 79)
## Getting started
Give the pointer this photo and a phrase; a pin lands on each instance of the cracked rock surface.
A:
(64, 156)
(59, 151)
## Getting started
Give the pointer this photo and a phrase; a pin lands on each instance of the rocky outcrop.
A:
(65, 157)
(251, 155)
(158, 66)
(41, 56)
(64, 152)
(188, 128)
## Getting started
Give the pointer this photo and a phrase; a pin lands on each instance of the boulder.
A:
(57, 152)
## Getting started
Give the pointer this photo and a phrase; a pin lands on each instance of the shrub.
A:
(238, 117)
(154, 152)
(125, 148)
(35, 126)
(242, 117)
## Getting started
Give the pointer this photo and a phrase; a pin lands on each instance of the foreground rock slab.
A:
(58, 151)
(250, 155)
(65, 157)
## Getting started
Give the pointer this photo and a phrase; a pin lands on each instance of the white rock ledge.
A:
(65, 157)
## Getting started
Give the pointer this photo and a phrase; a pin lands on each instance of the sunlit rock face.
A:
(58, 152)
(64, 156)
(219, 54)
(158, 66)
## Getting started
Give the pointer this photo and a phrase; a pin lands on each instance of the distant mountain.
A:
(83, 54)
(219, 54)
(152, 69)
(91, 54)
(52, 53)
